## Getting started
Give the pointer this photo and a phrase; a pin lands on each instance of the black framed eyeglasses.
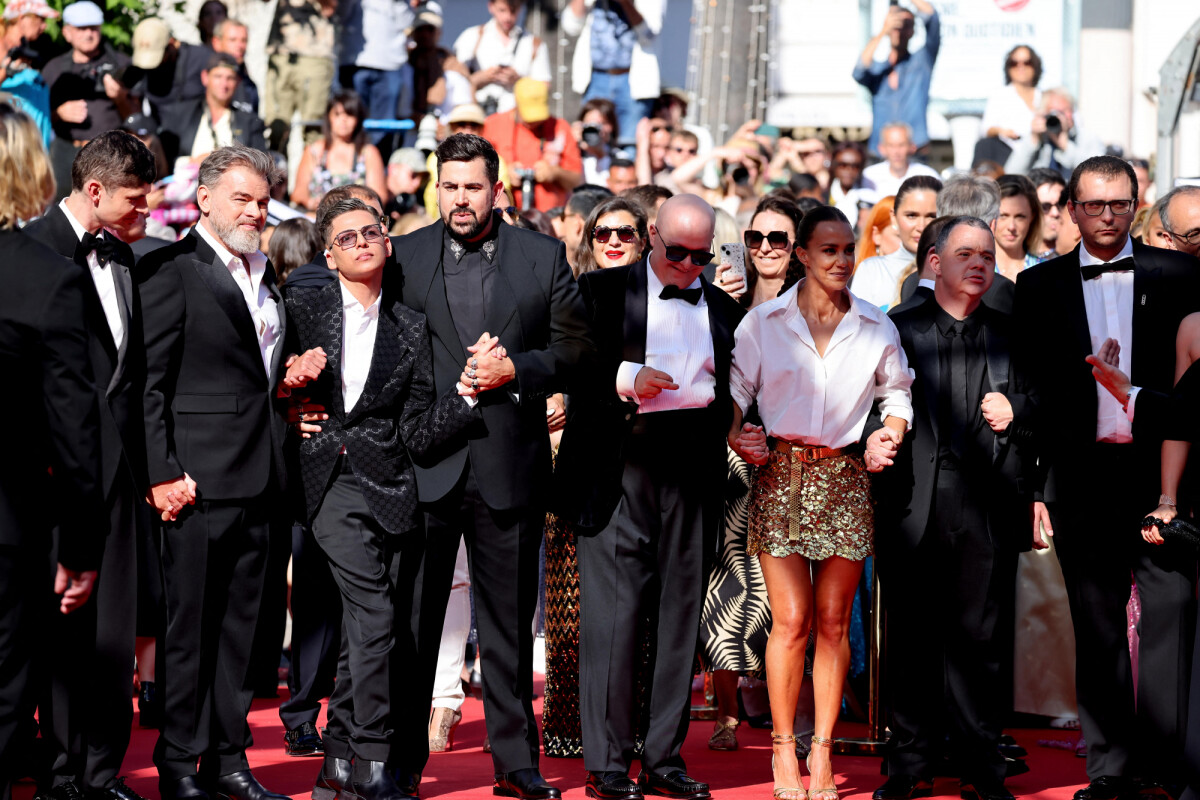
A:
(602, 233)
(372, 234)
(1191, 237)
(778, 240)
(675, 253)
(1094, 208)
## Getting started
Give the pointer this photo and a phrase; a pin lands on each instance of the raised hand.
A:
(1106, 372)
(304, 368)
(651, 382)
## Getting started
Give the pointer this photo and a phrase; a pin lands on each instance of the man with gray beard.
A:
(213, 326)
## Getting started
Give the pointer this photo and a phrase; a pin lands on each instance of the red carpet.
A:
(466, 772)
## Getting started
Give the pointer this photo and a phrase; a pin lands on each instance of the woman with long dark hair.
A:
(341, 156)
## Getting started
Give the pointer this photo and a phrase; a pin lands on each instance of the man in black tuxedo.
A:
(84, 708)
(641, 469)
(471, 274)
(952, 515)
(1096, 483)
(214, 327)
(360, 494)
(194, 128)
(53, 476)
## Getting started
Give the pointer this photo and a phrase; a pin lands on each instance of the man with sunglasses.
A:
(1096, 481)
(640, 471)
(1180, 215)
(360, 494)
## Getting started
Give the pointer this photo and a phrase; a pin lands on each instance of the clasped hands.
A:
(488, 367)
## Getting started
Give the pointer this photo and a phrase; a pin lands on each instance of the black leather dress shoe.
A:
(118, 791)
(183, 789)
(527, 784)
(243, 786)
(372, 780)
(673, 784)
(1107, 787)
(333, 778)
(903, 787)
(985, 790)
(409, 782)
(149, 706)
(64, 791)
(1012, 750)
(612, 786)
(303, 740)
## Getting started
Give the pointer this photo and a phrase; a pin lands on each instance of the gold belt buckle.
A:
(805, 454)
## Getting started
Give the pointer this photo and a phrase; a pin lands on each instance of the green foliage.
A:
(120, 18)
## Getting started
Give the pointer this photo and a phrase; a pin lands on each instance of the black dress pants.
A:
(502, 553)
(1099, 547)
(949, 610)
(85, 707)
(24, 577)
(214, 557)
(316, 631)
(648, 560)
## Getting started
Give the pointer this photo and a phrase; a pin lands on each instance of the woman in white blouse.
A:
(816, 360)
(1009, 112)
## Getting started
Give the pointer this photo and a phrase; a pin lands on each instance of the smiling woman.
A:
(614, 235)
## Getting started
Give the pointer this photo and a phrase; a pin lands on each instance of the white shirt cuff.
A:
(471, 401)
(1133, 393)
(626, 379)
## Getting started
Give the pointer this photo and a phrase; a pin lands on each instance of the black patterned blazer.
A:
(397, 414)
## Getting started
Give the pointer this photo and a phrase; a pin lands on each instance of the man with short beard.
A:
(213, 326)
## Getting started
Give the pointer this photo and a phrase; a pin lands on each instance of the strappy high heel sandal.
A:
(785, 792)
(830, 793)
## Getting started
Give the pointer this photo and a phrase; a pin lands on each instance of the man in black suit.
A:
(213, 327)
(85, 710)
(471, 274)
(642, 467)
(952, 515)
(360, 494)
(1096, 483)
(54, 474)
(194, 128)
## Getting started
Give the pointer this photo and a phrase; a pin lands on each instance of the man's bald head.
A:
(685, 214)
(684, 221)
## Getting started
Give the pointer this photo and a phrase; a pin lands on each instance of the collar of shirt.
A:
(75, 224)
(945, 322)
(927, 283)
(491, 28)
(1087, 259)
(860, 312)
(654, 286)
(487, 246)
(256, 260)
(350, 304)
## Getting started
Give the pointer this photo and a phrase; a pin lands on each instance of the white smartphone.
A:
(734, 254)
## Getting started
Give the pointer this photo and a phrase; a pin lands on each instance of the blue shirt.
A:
(909, 102)
(612, 37)
(29, 89)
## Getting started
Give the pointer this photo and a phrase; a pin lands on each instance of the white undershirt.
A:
(104, 278)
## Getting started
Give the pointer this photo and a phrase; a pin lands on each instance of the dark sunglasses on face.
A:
(1048, 207)
(1012, 62)
(675, 254)
(778, 240)
(626, 233)
(848, 165)
(372, 234)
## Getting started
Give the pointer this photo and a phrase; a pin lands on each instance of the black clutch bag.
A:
(1177, 530)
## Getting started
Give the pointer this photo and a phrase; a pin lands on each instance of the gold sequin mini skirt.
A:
(814, 508)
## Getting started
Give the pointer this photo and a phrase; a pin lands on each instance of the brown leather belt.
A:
(808, 453)
(620, 71)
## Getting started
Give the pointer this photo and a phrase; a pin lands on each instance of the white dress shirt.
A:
(259, 302)
(1108, 299)
(877, 279)
(888, 184)
(103, 277)
(487, 47)
(804, 397)
(678, 342)
(358, 345)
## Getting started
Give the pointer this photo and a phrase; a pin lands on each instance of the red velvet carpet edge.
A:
(467, 771)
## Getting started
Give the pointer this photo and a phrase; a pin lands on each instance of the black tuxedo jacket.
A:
(538, 315)
(1052, 339)
(999, 295)
(120, 373)
(51, 472)
(591, 455)
(397, 414)
(209, 404)
(904, 491)
(182, 120)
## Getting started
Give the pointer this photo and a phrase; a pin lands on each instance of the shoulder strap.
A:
(475, 52)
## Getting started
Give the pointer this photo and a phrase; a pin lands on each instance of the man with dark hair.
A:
(213, 332)
(230, 38)
(193, 129)
(952, 517)
(1180, 215)
(622, 175)
(649, 197)
(85, 709)
(1049, 184)
(471, 275)
(568, 226)
(359, 490)
(1110, 287)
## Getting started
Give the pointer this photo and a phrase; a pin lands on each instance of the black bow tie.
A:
(672, 291)
(104, 247)
(1096, 270)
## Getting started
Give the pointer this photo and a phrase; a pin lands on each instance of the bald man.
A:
(640, 472)
(1180, 216)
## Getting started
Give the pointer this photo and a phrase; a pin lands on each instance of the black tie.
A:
(104, 247)
(672, 291)
(959, 411)
(1096, 270)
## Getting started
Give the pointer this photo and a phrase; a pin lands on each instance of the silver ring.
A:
(470, 372)
(474, 363)
(475, 385)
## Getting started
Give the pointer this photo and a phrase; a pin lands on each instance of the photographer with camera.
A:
(23, 22)
(595, 131)
(1054, 141)
(87, 95)
(499, 53)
